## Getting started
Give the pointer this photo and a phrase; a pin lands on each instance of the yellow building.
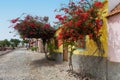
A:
(90, 44)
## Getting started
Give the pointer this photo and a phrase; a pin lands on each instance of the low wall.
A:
(98, 67)
(113, 71)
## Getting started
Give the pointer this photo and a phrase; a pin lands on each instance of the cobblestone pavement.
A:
(26, 65)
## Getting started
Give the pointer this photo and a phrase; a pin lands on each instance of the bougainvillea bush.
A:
(33, 27)
(79, 20)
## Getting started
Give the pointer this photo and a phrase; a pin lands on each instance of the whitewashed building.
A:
(114, 34)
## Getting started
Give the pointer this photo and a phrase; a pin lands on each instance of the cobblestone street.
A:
(60, 40)
(26, 65)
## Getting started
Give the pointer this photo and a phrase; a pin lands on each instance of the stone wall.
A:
(97, 67)
(113, 71)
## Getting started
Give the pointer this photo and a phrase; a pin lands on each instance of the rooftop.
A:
(116, 10)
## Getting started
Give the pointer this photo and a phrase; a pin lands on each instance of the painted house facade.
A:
(113, 28)
(114, 34)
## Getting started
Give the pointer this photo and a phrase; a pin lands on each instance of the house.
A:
(114, 34)
(113, 28)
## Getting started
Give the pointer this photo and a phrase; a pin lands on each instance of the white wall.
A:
(114, 38)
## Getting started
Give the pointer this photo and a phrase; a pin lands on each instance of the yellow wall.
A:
(90, 45)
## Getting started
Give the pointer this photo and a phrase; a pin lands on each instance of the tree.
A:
(25, 42)
(7, 43)
(34, 27)
(2, 45)
(79, 20)
(15, 42)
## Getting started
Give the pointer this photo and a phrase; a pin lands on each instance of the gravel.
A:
(26, 65)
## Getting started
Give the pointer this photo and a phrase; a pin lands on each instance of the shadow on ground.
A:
(44, 62)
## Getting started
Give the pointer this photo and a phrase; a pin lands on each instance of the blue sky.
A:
(10, 9)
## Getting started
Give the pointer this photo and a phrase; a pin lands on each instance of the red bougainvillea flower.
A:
(27, 17)
(98, 4)
(90, 36)
(31, 32)
(33, 27)
(82, 19)
(46, 26)
(60, 36)
(84, 16)
(81, 36)
(71, 23)
(64, 17)
(65, 10)
(78, 23)
(58, 16)
(14, 20)
(59, 43)
(15, 27)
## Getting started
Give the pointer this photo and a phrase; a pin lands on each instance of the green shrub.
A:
(34, 48)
